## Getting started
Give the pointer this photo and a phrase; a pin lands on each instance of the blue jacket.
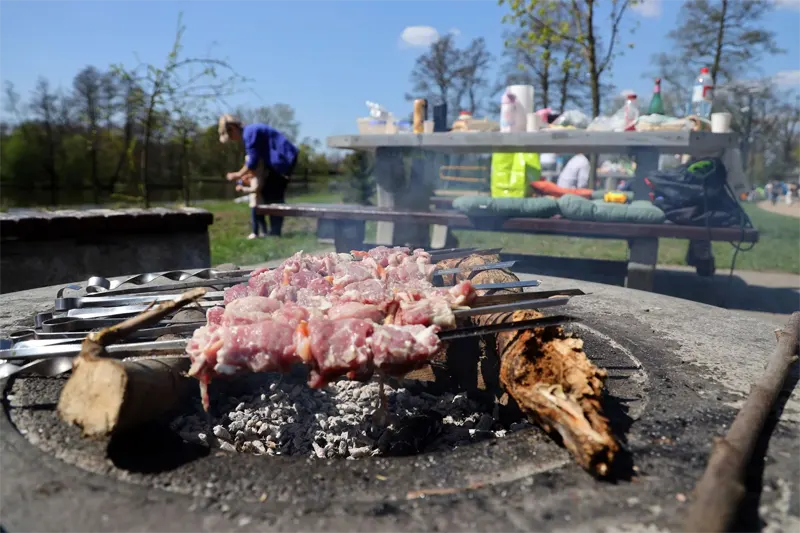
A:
(262, 142)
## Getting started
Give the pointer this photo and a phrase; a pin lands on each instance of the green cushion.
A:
(638, 212)
(574, 207)
(506, 207)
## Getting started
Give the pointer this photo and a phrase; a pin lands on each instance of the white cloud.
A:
(787, 4)
(652, 8)
(787, 78)
(419, 36)
(455, 32)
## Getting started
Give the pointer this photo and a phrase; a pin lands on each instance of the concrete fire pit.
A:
(677, 373)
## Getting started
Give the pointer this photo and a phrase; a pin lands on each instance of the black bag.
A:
(696, 194)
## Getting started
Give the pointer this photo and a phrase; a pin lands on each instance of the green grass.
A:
(228, 234)
(778, 249)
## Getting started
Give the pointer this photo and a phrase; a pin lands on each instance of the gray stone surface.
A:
(557, 140)
(689, 367)
(27, 264)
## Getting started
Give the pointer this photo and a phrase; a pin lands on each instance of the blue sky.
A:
(325, 58)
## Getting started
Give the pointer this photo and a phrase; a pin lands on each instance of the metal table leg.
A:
(642, 260)
(646, 164)
(403, 182)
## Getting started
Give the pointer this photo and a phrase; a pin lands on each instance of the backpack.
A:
(697, 194)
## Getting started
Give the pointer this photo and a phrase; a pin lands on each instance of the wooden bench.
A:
(349, 230)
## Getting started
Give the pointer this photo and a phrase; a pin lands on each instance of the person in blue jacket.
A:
(269, 156)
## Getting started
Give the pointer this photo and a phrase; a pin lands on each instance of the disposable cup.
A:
(721, 122)
(428, 126)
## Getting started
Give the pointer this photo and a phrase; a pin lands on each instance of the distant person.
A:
(575, 174)
(251, 187)
(269, 157)
(770, 190)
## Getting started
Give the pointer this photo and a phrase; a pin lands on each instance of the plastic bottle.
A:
(512, 114)
(656, 104)
(631, 112)
(702, 95)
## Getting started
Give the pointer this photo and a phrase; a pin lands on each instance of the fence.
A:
(200, 188)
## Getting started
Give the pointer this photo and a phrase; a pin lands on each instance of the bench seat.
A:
(642, 239)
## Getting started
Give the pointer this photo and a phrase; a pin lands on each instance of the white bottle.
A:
(702, 95)
(509, 114)
(631, 112)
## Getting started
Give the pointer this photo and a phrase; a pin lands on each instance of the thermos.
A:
(420, 114)
(440, 118)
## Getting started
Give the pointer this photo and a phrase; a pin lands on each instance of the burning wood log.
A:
(549, 376)
(104, 395)
(721, 489)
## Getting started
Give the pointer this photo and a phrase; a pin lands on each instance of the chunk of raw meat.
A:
(425, 312)
(356, 310)
(336, 348)
(235, 292)
(249, 310)
(401, 347)
(409, 271)
(347, 273)
(214, 315)
(265, 346)
(370, 291)
(263, 283)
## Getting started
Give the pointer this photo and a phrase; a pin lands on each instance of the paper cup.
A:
(428, 126)
(533, 122)
(721, 122)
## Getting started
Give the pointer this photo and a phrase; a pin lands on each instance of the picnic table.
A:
(406, 171)
(412, 190)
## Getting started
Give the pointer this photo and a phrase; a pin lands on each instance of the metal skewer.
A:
(178, 345)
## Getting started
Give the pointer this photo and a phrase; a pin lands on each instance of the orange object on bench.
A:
(547, 188)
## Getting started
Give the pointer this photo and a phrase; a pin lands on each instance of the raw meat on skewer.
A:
(397, 265)
(331, 348)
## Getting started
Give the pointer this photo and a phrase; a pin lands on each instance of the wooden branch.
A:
(110, 335)
(721, 489)
(104, 395)
(548, 374)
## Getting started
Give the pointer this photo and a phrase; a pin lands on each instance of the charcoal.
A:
(283, 416)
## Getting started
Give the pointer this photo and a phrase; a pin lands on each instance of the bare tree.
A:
(45, 109)
(87, 86)
(280, 116)
(472, 80)
(179, 80)
(724, 35)
(435, 75)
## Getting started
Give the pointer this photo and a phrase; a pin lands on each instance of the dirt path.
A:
(781, 208)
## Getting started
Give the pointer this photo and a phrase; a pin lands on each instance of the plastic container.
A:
(371, 126)
(702, 95)
(462, 123)
(512, 114)
(631, 112)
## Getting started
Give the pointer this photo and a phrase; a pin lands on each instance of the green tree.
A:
(545, 23)
(554, 69)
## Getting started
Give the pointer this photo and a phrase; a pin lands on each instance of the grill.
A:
(489, 466)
